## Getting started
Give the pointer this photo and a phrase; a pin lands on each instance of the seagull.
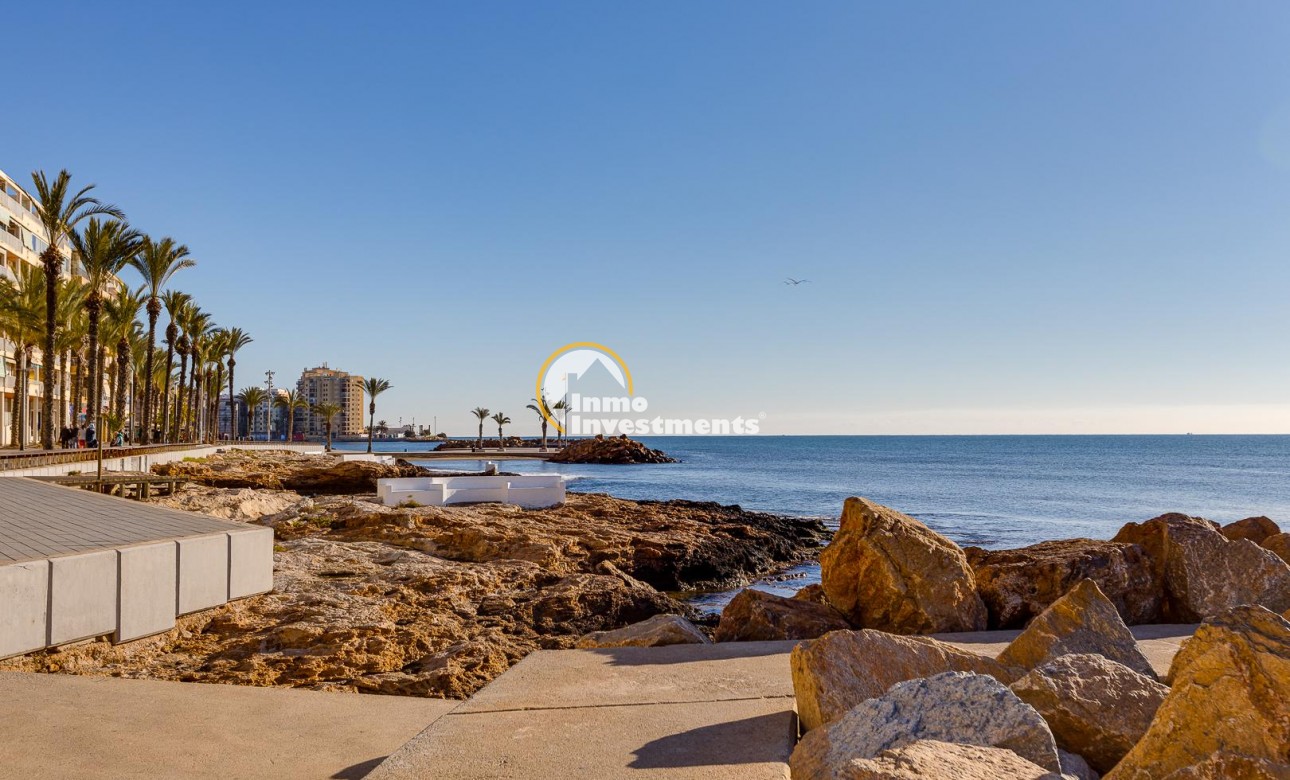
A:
(795, 282)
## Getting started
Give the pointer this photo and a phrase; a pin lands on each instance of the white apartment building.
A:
(22, 239)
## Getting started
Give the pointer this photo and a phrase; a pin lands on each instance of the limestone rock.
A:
(1095, 707)
(1255, 529)
(813, 593)
(1203, 572)
(655, 632)
(1074, 766)
(285, 470)
(614, 449)
(928, 759)
(757, 616)
(1016, 585)
(1278, 544)
(1229, 695)
(1082, 621)
(836, 672)
(887, 571)
(971, 709)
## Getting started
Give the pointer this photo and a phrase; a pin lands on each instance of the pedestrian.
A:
(91, 437)
(80, 436)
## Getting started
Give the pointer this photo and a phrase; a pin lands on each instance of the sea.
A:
(991, 491)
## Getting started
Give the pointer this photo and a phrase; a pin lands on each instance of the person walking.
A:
(80, 436)
(91, 437)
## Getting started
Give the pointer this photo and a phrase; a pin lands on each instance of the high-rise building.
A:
(324, 385)
(22, 239)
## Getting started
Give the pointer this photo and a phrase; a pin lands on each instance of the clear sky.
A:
(1016, 217)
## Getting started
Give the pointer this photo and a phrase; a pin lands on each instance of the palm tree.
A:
(119, 326)
(543, 409)
(252, 397)
(235, 339)
(561, 406)
(482, 414)
(174, 301)
(104, 247)
(156, 262)
(501, 419)
(192, 323)
(60, 212)
(328, 412)
(291, 401)
(71, 313)
(218, 351)
(21, 320)
(373, 387)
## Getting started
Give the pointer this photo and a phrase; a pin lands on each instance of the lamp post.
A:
(268, 413)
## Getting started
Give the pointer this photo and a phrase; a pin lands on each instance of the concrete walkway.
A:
(60, 726)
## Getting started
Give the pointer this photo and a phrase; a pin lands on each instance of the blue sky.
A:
(1016, 217)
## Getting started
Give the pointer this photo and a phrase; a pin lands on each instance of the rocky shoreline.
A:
(430, 601)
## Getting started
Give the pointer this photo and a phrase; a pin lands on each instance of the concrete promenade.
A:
(686, 712)
(76, 565)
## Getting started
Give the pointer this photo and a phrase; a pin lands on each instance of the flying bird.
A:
(795, 282)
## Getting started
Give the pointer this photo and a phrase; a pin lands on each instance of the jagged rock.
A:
(1082, 621)
(231, 503)
(1074, 766)
(1203, 572)
(1255, 529)
(1279, 544)
(887, 571)
(1229, 694)
(971, 709)
(655, 632)
(616, 450)
(1016, 585)
(836, 672)
(285, 470)
(757, 616)
(813, 594)
(928, 759)
(1095, 707)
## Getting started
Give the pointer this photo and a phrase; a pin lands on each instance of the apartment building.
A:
(328, 385)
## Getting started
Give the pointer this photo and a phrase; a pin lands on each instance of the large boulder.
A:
(1082, 621)
(655, 632)
(969, 709)
(1278, 544)
(1204, 573)
(887, 571)
(929, 759)
(1016, 585)
(615, 450)
(836, 672)
(757, 616)
(1097, 708)
(1230, 695)
(1255, 529)
(1231, 766)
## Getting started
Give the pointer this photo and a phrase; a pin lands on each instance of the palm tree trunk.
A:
(78, 385)
(62, 391)
(53, 264)
(122, 366)
(165, 391)
(232, 405)
(19, 390)
(370, 422)
(92, 305)
(154, 311)
(180, 387)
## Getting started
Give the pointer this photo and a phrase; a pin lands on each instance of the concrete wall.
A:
(530, 492)
(129, 592)
(144, 463)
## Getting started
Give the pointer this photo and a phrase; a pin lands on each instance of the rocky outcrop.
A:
(957, 707)
(1279, 545)
(1231, 766)
(1074, 766)
(1096, 708)
(613, 450)
(241, 504)
(887, 571)
(1082, 621)
(284, 470)
(836, 672)
(657, 631)
(1203, 573)
(1255, 529)
(757, 616)
(1230, 696)
(1016, 585)
(928, 759)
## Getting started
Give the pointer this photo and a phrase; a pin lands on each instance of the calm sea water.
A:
(991, 491)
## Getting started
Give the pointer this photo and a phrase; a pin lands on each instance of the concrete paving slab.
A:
(747, 739)
(94, 728)
(203, 572)
(250, 561)
(24, 592)
(147, 590)
(640, 675)
(82, 596)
